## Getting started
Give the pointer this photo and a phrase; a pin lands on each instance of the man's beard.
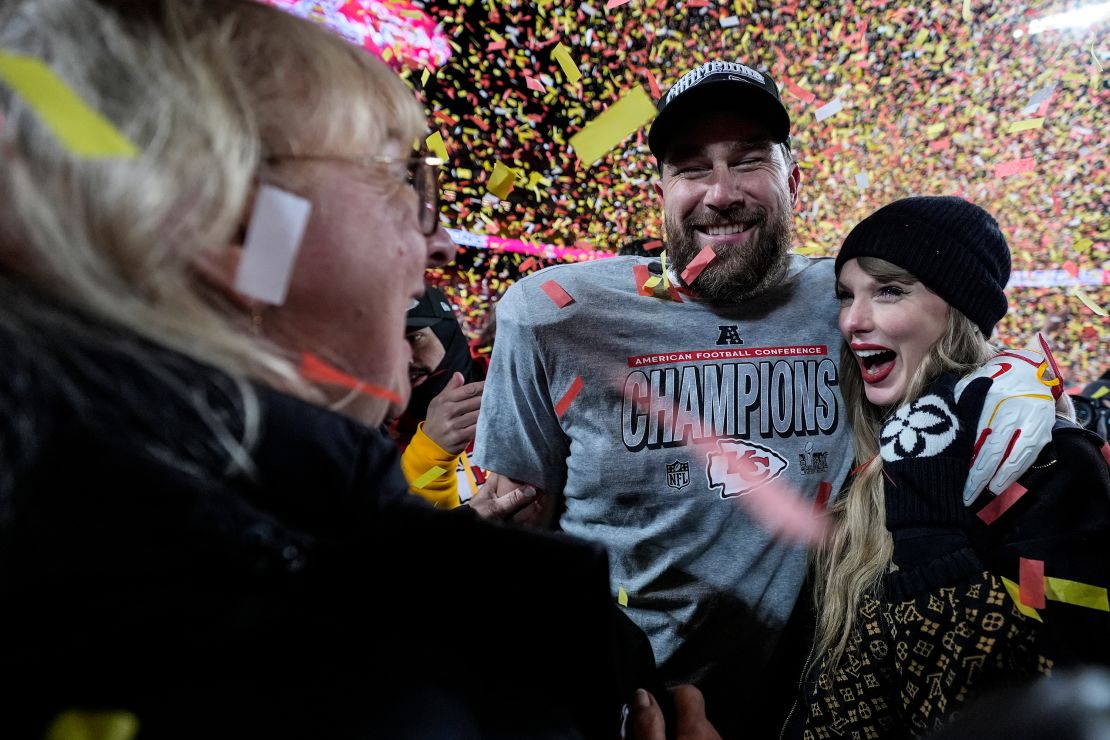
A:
(742, 271)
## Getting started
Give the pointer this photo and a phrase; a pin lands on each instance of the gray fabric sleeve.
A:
(519, 435)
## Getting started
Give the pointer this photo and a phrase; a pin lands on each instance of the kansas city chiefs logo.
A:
(739, 467)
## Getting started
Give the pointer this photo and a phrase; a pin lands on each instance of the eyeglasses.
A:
(422, 172)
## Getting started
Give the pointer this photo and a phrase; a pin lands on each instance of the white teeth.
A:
(869, 352)
(724, 230)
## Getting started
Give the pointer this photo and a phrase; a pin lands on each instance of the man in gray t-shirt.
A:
(652, 403)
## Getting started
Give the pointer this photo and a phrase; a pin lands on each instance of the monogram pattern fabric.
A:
(911, 664)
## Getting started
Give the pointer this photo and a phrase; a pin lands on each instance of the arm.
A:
(512, 500)
(421, 456)
(519, 434)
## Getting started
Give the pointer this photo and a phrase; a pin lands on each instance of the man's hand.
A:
(646, 719)
(500, 498)
(453, 414)
(1016, 421)
(507, 499)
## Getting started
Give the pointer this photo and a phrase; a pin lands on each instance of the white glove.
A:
(1017, 418)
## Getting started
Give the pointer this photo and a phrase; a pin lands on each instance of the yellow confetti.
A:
(1102, 391)
(501, 181)
(622, 596)
(428, 477)
(470, 473)
(424, 77)
(436, 145)
(612, 125)
(921, 36)
(935, 130)
(1074, 592)
(76, 724)
(1015, 595)
(967, 11)
(1082, 245)
(1078, 293)
(1026, 125)
(80, 129)
(561, 54)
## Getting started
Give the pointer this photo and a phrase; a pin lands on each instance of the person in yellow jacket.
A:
(438, 424)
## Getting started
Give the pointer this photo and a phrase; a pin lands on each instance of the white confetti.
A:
(829, 109)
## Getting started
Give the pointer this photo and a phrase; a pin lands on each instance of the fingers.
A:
(508, 504)
(489, 503)
(645, 721)
(970, 405)
(692, 723)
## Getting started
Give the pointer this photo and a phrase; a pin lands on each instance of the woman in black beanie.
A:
(929, 594)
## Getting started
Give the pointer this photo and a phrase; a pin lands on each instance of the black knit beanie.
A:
(953, 247)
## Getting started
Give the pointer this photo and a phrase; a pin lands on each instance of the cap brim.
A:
(711, 97)
(419, 322)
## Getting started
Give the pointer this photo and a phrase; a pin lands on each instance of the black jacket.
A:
(302, 593)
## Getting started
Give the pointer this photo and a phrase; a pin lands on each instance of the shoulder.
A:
(538, 298)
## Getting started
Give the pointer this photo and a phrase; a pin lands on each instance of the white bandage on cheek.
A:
(273, 239)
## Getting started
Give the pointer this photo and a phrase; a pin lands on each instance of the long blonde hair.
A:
(859, 552)
(97, 251)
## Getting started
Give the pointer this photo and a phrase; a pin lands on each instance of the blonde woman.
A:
(925, 598)
(198, 524)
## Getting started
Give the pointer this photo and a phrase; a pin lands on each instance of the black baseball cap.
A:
(429, 310)
(716, 86)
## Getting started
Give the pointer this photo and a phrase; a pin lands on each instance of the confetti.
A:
(699, 263)
(632, 111)
(430, 475)
(533, 84)
(82, 130)
(1074, 592)
(436, 146)
(1003, 501)
(568, 398)
(615, 4)
(561, 54)
(622, 596)
(1031, 582)
(557, 294)
(501, 181)
(82, 724)
(1085, 299)
(1026, 125)
(828, 110)
(1102, 391)
(862, 180)
(1013, 167)
(315, 370)
(730, 21)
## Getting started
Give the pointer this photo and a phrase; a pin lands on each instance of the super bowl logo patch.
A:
(678, 474)
(739, 467)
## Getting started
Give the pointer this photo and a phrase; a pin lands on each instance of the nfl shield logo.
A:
(678, 474)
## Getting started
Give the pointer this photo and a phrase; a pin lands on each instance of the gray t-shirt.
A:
(684, 408)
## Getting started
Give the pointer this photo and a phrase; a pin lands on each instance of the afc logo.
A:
(678, 474)
(730, 334)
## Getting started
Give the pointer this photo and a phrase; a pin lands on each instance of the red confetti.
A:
(568, 398)
(1031, 577)
(615, 4)
(641, 275)
(653, 245)
(699, 263)
(1001, 503)
(316, 370)
(533, 83)
(824, 490)
(1014, 167)
(556, 293)
(1071, 268)
(940, 144)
